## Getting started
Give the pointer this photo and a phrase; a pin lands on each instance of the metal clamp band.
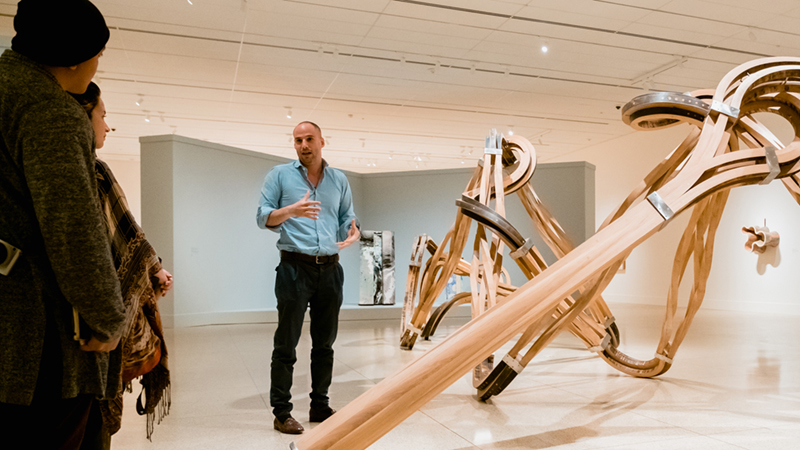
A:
(416, 330)
(494, 144)
(522, 251)
(660, 206)
(603, 344)
(609, 321)
(664, 358)
(10, 254)
(292, 446)
(773, 164)
(726, 109)
(415, 263)
(514, 363)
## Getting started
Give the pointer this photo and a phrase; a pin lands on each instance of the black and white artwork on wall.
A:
(377, 268)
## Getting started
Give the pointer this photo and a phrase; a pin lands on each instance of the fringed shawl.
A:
(144, 352)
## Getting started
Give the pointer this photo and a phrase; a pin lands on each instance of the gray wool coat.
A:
(50, 210)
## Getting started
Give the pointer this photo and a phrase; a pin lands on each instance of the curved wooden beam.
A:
(706, 171)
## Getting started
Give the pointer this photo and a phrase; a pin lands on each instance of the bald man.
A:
(310, 204)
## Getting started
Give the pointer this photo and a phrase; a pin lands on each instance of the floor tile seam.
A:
(467, 440)
(366, 378)
(644, 416)
(648, 441)
(724, 442)
(678, 427)
(249, 372)
(752, 428)
(215, 414)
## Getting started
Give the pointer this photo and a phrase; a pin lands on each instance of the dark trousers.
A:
(49, 422)
(299, 285)
(46, 423)
(96, 436)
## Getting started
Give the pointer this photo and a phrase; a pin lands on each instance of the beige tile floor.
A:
(735, 384)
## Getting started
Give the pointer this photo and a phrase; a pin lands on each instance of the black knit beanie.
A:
(59, 33)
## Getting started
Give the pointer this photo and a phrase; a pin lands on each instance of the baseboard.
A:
(347, 313)
(787, 308)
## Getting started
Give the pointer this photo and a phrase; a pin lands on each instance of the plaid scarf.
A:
(144, 352)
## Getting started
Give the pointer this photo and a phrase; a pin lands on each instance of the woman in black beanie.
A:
(48, 199)
(59, 33)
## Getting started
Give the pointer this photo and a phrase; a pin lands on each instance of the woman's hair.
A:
(89, 99)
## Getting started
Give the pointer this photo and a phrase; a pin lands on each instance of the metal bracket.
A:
(494, 143)
(726, 109)
(664, 358)
(603, 344)
(416, 330)
(522, 251)
(774, 165)
(10, 254)
(660, 206)
(514, 363)
(609, 321)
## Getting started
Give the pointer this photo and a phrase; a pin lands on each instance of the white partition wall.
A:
(199, 203)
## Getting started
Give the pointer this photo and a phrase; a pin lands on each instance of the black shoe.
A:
(320, 414)
(288, 426)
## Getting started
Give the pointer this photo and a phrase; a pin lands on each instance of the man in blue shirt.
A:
(310, 204)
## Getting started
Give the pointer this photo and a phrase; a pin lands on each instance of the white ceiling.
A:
(392, 80)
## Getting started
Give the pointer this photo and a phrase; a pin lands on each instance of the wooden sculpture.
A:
(731, 149)
(592, 325)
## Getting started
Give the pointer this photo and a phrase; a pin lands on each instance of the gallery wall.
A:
(199, 205)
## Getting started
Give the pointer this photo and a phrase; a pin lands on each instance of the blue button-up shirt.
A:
(286, 184)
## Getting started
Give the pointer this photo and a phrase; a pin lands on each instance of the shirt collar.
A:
(297, 165)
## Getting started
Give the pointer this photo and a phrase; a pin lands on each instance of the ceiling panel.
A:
(721, 11)
(572, 16)
(589, 8)
(775, 6)
(366, 70)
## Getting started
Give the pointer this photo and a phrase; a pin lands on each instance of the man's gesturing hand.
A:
(306, 208)
(352, 236)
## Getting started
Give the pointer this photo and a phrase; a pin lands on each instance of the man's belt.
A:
(311, 259)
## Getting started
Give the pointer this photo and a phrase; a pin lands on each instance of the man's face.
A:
(308, 143)
(83, 73)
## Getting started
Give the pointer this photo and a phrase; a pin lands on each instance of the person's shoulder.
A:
(337, 173)
(28, 81)
(285, 166)
(281, 169)
(277, 174)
